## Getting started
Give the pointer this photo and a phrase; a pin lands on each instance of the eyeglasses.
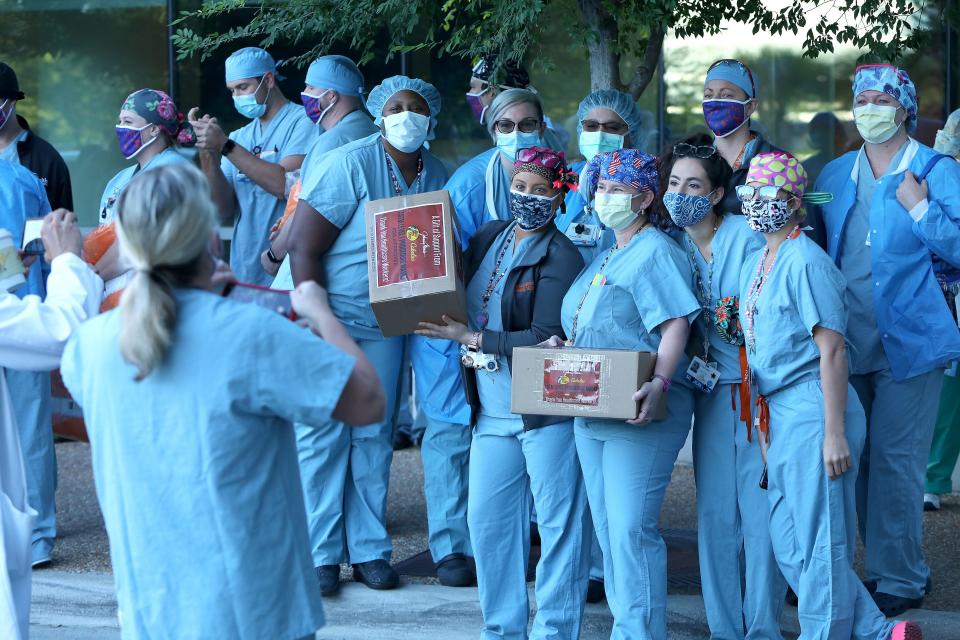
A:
(746, 193)
(684, 150)
(614, 127)
(527, 125)
(546, 159)
(753, 85)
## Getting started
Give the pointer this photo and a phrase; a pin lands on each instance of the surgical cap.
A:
(338, 73)
(249, 62)
(620, 103)
(506, 100)
(514, 76)
(156, 107)
(779, 169)
(627, 166)
(734, 72)
(891, 80)
(378, 98)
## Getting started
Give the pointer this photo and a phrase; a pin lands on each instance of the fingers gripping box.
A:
(413, 261)
(580, 382)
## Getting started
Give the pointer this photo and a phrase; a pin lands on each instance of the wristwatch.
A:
(228, 146)
(272, 257)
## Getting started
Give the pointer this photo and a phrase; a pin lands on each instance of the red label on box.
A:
(572, 381)
(409, 244)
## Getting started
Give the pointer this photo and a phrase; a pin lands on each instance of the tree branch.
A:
(648, 66)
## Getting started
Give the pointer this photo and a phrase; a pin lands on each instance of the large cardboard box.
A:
(413, 260)
(580, 382)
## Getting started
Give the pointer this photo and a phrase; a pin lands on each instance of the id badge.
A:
(583, 235)
(703, 375)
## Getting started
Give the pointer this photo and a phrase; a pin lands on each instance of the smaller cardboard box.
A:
(580, 382)
(413, 261)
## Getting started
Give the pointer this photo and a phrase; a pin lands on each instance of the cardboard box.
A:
(580, 382)
(413, 261)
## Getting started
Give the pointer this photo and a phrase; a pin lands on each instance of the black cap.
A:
(9, 87)
(513, 74)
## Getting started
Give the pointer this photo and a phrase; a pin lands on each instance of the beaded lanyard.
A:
(393, 176)
(703, 296)
(753, 293)
(495, 277)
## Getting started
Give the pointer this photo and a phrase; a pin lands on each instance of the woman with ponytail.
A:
(189, 400)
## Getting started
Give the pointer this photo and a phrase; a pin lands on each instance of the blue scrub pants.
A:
(813, 519)
(345, 472)
(627, 469)
(30, 397)
(901, 418)
(743, 591)
(505, 465)
(445, 452)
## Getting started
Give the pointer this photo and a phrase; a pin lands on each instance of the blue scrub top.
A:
(494, 387)
(342, 183)
(803, 290)
(289, 133)
(732, 246)
(120, 181)
(22, 196)
(353, 126)
(9, 153)
(480, 192)
(196, 468)
(642, 285)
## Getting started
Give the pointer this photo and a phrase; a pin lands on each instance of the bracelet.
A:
(664, 381)
(272, 257)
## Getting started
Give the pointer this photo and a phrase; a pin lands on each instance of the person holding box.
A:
(635, 296)
(516, 274)
(794, 323)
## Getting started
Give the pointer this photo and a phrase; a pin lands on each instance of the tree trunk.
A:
(604, 61)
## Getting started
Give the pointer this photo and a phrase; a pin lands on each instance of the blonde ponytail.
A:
(165, 218)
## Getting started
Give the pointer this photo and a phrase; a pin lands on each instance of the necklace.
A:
(756, 286)
(483, 318)
(393, 176)
(704, 295)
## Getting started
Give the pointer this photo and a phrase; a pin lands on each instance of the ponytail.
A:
(165, 217)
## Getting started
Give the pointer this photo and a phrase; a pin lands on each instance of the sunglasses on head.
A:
(702, 151)
(547, 159)
(734, 61)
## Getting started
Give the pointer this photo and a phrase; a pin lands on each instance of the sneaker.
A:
(595, 591)
(931, 502)
(41, 553)
(454, 571)
(328, 576)
(906, 631)
(892, 606)
(376, 574)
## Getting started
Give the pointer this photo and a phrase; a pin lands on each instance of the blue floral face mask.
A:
(687, 209)
(531, 211)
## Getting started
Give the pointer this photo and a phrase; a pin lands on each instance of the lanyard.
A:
(393, 176)
(753, 293)
(576, 314)
(483, 318)
(704, 296)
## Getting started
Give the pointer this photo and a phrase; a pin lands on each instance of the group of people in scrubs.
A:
(810, 376)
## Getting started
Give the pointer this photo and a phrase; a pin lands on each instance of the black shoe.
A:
(871, 586)
(328, 576)
(401, 440)
(454, 571)
(595, 591)
(893, 606)
(376, 574)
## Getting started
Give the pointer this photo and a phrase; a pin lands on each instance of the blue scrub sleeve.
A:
(939, 228)
(302, 137)
(299, 377)
(332, 188)
(818, 293)
(662, 291)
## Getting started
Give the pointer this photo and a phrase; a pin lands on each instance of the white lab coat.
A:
(32, 336)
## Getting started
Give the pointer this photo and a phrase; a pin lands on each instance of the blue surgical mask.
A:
(510, 143)
(248, 106)
(594, 142)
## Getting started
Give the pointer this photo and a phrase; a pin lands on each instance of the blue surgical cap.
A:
(620, 103)
(336, 72)
(734, 72)
(249, 62)
(393, 85)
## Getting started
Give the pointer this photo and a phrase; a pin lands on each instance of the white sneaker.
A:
(931, 502)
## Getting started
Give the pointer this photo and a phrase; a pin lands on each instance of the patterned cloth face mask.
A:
(687, 209)
(531, 211)
(766, 216)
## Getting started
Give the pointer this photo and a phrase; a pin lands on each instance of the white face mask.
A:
(876, 123)
(406, 131)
